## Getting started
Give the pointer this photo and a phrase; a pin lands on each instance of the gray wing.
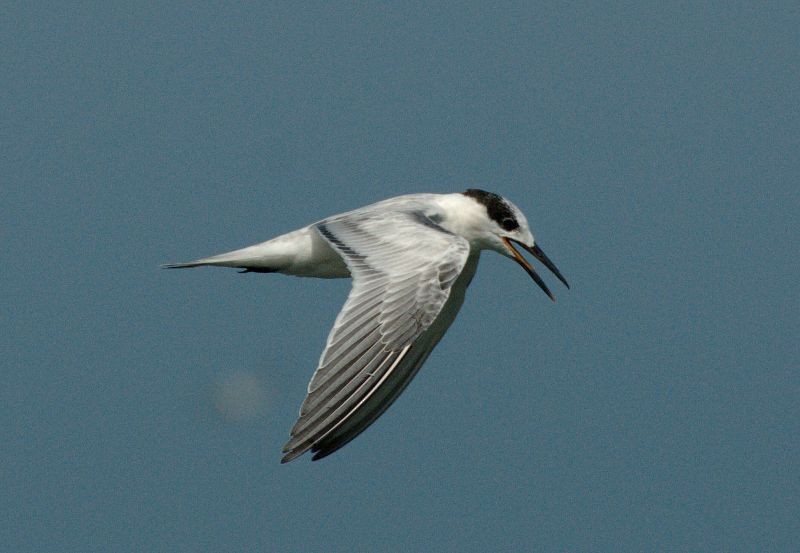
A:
(403, 267)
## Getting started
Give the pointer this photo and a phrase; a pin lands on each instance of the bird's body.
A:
(411, 259)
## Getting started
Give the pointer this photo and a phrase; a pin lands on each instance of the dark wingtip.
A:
(321, 454)
(291, 456)
(318, 454)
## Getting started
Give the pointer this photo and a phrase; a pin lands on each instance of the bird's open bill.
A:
(537, 252)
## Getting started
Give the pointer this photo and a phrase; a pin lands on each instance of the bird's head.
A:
(500, 226)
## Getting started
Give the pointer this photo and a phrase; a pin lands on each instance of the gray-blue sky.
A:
(654, 148)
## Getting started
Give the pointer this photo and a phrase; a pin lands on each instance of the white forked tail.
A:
(302, 253)
(252, 256)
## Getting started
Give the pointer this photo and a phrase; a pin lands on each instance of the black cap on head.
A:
(497, 208)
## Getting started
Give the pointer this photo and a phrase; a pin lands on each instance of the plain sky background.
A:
(655, 148)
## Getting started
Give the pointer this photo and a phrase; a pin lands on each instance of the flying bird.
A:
(411, 259)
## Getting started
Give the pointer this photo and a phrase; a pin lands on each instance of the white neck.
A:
(465, 217)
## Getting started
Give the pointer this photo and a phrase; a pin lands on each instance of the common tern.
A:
(411, 259)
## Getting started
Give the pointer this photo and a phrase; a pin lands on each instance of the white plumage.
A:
(411, 259)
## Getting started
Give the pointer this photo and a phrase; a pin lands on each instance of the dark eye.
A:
(509, 224)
